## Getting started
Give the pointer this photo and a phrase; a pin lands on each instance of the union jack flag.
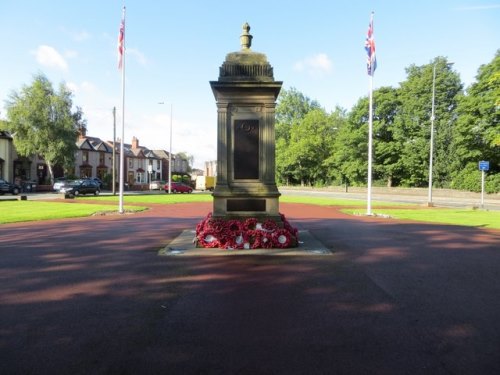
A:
(371, 62)
(121, 42)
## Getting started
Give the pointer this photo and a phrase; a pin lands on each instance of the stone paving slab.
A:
(183, 245)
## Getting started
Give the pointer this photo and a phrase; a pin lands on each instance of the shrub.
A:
(468, 178)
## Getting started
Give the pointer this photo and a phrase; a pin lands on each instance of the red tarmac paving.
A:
(91, 296)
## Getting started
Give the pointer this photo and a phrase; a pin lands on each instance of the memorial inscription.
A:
(246, 149)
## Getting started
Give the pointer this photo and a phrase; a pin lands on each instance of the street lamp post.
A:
(169, 153)
(431, 152)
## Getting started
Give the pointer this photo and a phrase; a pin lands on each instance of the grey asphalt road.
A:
(440, 198)
(91, 296)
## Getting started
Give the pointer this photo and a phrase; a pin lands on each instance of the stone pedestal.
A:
(246, 94)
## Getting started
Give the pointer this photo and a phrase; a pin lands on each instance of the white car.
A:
(156, 185)
(60, 182)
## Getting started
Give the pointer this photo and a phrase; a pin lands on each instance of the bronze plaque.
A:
(246, 149)
(258, 205)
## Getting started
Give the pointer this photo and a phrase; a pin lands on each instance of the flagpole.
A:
(372, 65)
(122, 156)
(370, 142)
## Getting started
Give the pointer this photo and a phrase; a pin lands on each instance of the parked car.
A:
(98, 180)
(7, 187)
(179, 187)
(157, 185)
(83, 187)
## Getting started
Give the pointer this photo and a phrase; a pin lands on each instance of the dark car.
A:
(81, 187)
(98, 180)
(179, 187)
(7, 187)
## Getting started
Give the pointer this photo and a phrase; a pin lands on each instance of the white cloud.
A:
(138, 55)
(72, 86)
(190, 137)
(71, 54)
(49, 57)
(317, 65)
(81, 36)
(88, 86)
(83, 88)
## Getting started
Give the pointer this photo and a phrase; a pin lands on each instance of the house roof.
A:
(5, 134)
(93, 144)
(162, 154)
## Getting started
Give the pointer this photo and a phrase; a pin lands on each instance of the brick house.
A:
(93, 158)
(6, 156)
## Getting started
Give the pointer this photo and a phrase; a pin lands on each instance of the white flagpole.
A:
(122, 156)
(370, 142)
(372, 66)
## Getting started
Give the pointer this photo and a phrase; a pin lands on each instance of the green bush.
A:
(492, 183)
(468, 178)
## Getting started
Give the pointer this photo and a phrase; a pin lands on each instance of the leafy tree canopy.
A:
(42, 122)
(477, 132)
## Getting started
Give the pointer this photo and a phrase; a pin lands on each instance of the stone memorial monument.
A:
(246, 199)
(246, 94)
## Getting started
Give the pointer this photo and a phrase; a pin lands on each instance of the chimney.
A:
(82, 132)
(135, 143)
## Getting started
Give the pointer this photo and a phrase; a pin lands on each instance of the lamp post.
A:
(169, 153)
(431, 152)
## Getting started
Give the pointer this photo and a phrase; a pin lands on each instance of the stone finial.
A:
(246, 38)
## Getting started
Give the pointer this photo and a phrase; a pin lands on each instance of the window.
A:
(140, 178)
(131, 163)
(102, 172)
(158, 164)
(86, 172)
(102, 158)
(85, 157)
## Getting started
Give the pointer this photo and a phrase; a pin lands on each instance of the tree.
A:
(414, 121)
(292, 107)
(310, 146)
(347, 161)
(43, 124)
(477, 133)
(387, 163)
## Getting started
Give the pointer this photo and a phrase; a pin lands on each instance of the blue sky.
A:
(174, 48)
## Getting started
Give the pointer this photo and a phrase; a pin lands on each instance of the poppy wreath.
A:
(250, 224)
(254, 238)
(269, 225)
(281, 238)
(245, 234)
(266, 240)
(235, 226)
(217, 225)
(236, 241)
(208, 239)
(288, 227)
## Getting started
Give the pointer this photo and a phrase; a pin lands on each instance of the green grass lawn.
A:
(467, 217)
(206, 197)
(17, 211)
(152, 198)
(322, 201)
